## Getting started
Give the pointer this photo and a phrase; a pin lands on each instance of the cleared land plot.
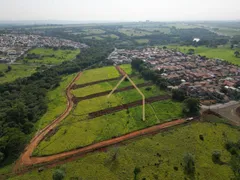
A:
(104, 86)
(224, 53)
(159, 156)
(99, 103)
(17, 71)
(50, 56)
(93, 75)
(76, 132)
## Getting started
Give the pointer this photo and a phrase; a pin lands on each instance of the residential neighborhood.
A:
(12, 46)
(207, 79)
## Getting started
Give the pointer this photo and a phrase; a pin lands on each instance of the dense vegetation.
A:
(23, 102)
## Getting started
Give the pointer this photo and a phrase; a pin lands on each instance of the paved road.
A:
(227, 111)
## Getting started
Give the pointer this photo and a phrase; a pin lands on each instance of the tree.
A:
(191, 106)
(178, 95)
(58, 174)
(8, 69)
(136, 63)
(1, 74)
(189, 164)
(216, 157)
(191, 51)
(236, 53)
(1, 156)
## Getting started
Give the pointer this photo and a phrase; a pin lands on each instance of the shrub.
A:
(136, 172)
(58, 174)
(216, 157)
(201, 137)
(189, 164)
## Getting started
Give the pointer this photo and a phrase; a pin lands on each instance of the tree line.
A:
(24, 101)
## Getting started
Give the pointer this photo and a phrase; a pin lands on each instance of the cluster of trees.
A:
(148, 74)
(23, 102)
(234, 149)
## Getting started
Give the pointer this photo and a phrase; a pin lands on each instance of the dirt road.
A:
(26, 162)
(25, 157)
(54, 159)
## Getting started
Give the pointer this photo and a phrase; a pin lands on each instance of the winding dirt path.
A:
(26, 162)
(25, 157)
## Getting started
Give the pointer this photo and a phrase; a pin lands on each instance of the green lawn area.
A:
(142, 41)
(224, 52)
(93, 75)
(158, 157)
(105, 127)
(51, 56)
(57, 103)
(18, 71)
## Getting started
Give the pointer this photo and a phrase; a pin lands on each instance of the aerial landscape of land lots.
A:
(164, 120)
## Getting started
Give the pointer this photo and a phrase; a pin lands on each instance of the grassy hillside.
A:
(157, 157)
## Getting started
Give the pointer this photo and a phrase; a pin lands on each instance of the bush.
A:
(189, 164)
(216, 157)
(58, 174)
(136, 172)
(1, 74)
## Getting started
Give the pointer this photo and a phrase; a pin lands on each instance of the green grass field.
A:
(93, 37)
(105, 127)
(158, 157)
(18, 71)
(224, 52)
(165, 30)
(132, 32)
(50, 56)
(98, 74)
(142, 41)
(102, 102)
(57, 103)
(127, 68)
(104, 86)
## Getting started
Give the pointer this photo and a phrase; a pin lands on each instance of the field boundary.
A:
(128, 105)
(78, 99)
